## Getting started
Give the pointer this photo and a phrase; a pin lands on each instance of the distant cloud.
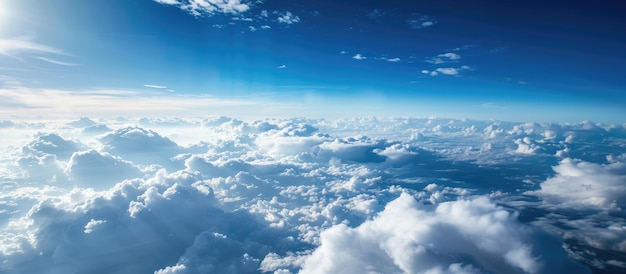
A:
(393, 60)
(343, 52)
(209, 7)
(154, 86)
(282, 67)
(56, 62)
(15, 47)
(265, 27)
(450, 55)
(444, 58)
(252, 28)
(358, 56)
(288, 18)
(420, 22)
(448, 71)
(264, 13)
(375, 14)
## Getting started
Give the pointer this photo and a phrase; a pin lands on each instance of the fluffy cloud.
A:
(225, 195)
(54, 144)
(358, 56)
(140, 146)
(288, 18)
(405, 238)
(583, 184)
(209, 7)
(99, 170)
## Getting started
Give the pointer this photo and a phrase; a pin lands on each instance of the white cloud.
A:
(583, 184)
(448, 71)
(282, 67)
(8, 46)
(390, 195)
(288, 18)
(358, 56)
(393, 60)
(265, 27)
(56, 62)
(407, 238)
(93, 224)
(420, 22)
(252, 28)
(210, 7)
(155, 86)
(450, 55)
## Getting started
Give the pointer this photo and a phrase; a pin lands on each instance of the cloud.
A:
(375, 14)
(405, 238)
(154, 86)
(99, 170)
(448, 71)
(358, 56)
(420, 22)
(54, 144)
(282, 67)
(8, 46)
(265, 27)
(444, 58)
(56, 62)
(252, 28)
(30, 103)
(393, 60)
(210, 7)
(583, 184)
(288, 18)
(379, 194)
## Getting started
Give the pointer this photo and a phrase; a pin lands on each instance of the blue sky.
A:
(517, 60)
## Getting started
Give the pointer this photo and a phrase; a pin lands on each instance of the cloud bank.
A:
(390, 195)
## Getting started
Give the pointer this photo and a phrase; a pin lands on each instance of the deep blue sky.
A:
(562, 60)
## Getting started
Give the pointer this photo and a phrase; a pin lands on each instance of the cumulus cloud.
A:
(405, 238)
(358, 56)
(390, 195)
(288, 18)
(99, 170)
(583, 184)
(209, 7)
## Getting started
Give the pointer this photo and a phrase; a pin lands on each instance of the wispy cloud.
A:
(288, 18)
(282, 67)
(420, 22)
(252, 28)
(358, 56)
(375, 14)
(154, 86)
(57, 62)
(446, 71)
(393, 60)
(210, 7)
(13, 47)
(444, 58)
(53, 103)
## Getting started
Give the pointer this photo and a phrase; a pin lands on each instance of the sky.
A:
(557, 61)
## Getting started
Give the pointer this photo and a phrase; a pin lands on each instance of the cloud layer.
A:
(391, 195)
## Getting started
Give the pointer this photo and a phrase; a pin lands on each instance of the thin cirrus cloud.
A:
(16, 47)
(57, 62)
